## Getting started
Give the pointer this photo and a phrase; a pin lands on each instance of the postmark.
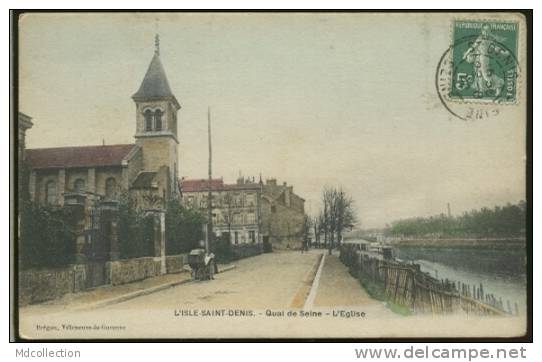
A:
(479, 72)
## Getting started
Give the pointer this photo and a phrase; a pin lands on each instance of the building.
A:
(147, 168)
(282, 215)
(24, 123)
(236, 207)
(249, 211)
(92, 179)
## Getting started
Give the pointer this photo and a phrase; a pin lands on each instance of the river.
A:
(501, 271)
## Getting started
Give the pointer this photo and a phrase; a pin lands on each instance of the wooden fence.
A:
(406, 285)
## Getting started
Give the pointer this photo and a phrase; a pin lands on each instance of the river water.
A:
(501, 271)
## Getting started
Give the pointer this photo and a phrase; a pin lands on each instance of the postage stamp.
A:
(484, 58)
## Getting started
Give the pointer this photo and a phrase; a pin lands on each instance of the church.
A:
(147, 168)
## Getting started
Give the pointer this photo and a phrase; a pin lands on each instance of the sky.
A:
(309, 99)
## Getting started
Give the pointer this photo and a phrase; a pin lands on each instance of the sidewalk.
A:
(109, 294)
(337, 288)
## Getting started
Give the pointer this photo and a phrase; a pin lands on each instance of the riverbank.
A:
(502, 271)
(500, 243)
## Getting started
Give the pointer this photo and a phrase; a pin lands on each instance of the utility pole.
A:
(208, 234)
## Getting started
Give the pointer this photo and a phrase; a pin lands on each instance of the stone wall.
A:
(131, 270)
(246, 250)
(40, 285)
(175, 263)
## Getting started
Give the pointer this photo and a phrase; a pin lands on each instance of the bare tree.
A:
(338, 215)
(330, 215)
(315, 227)
(306, 229)
(346, 217)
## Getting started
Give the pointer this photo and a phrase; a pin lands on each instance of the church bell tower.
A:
(156, 120)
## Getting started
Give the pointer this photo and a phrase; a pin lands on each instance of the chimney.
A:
(287, 195)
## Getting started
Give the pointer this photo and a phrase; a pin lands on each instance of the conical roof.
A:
(155, 84)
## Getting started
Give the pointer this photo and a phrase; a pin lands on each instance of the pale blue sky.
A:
(310, 99)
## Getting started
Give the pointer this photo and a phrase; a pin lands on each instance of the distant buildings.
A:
(236, 207)
(250, 212)
(282, 215)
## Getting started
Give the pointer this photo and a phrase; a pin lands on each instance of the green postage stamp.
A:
(484, 61)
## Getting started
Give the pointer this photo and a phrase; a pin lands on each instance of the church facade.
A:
(147, 169)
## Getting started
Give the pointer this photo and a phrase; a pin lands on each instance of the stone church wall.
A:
(41, 285)
(131, 270)
(37, 286)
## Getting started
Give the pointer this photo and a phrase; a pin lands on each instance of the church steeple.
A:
(155, 85)
(156, 119)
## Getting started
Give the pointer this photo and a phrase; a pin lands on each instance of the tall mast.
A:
(209, 187)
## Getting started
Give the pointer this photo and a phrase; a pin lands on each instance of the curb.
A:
(227, 268)
(309, 302)
(139, 293)
(128, 296)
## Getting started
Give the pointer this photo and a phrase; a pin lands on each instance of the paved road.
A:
(261, 282)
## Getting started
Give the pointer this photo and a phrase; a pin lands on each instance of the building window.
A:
(50, 193)
(251, 218)
(148, 120)
(79, 186)
(252, 235)
(237, 219)
(110, 188)
(236, 237)
(158, 120)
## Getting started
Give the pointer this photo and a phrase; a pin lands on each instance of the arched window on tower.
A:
(110, 188)
(148, 120)
(50, 193)
(158, 120)
(79, 186)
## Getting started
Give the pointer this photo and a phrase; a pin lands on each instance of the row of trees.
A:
(501, 221)
(336, 216)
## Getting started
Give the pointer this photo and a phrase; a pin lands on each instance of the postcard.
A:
(271, 175)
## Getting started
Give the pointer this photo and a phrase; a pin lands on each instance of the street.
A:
(263, 296)
(263, 282)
